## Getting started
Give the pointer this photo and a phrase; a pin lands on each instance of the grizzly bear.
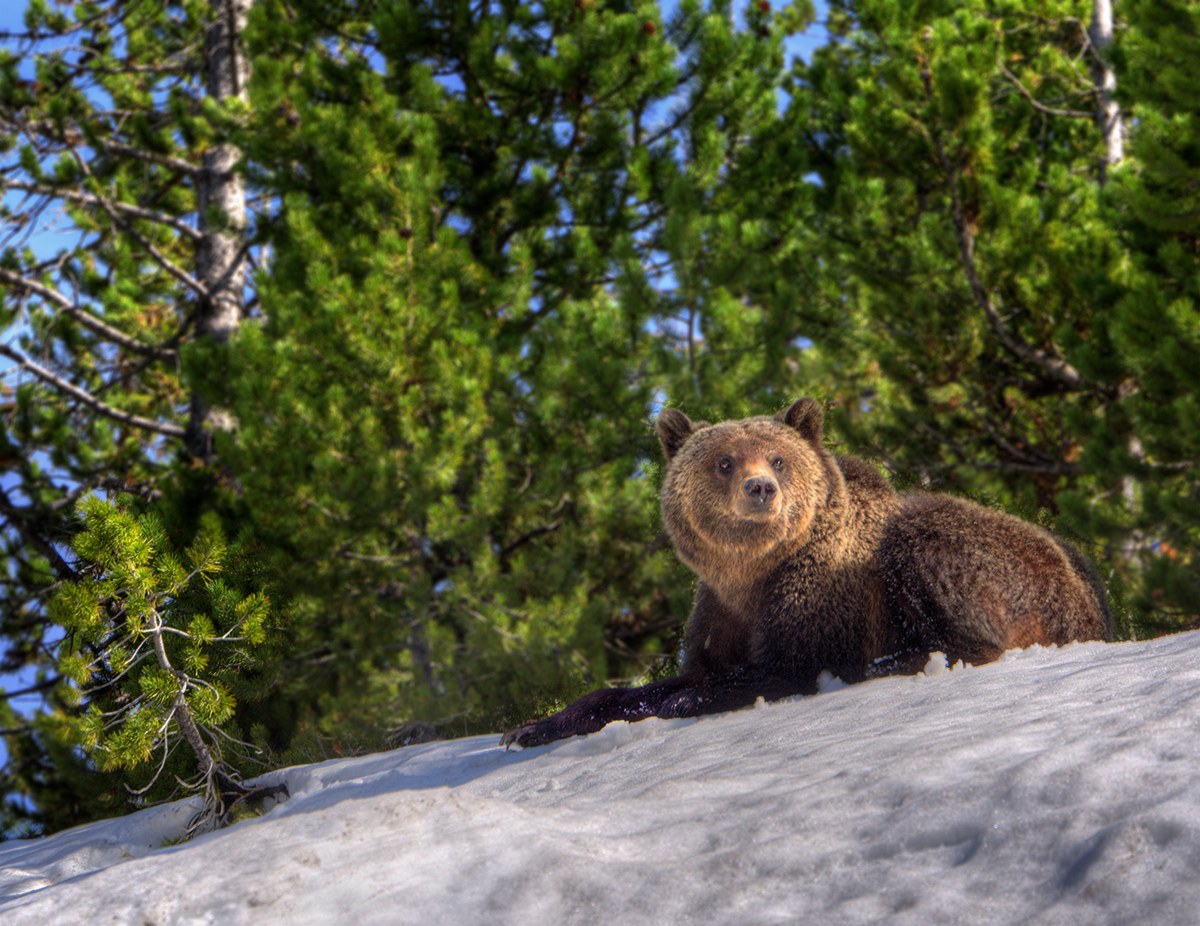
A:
(809, 562)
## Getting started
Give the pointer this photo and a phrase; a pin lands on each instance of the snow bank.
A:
(1055, 786)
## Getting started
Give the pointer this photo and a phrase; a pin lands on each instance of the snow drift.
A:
(1054, 786)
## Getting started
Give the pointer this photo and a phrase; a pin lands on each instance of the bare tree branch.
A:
(159, 427)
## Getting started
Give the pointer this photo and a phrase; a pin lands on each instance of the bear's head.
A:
(739, 493)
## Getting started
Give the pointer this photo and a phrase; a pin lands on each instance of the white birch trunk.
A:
(220, 262)
(1108, 118)
(1108, 112)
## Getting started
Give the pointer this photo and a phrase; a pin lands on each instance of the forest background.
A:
(336, 329)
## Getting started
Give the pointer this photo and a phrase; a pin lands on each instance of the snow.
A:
(1054, 786)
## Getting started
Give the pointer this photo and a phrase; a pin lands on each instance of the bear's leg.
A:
(730, 691)
(942, 599)
(669, 698)
(908, 662)
(593, 711)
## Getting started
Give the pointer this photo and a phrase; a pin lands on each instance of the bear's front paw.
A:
(531, 734)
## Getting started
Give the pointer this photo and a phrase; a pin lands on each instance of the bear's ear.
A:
(805, 416)
(673, 428)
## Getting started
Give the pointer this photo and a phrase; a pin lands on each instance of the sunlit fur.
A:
(808, 562)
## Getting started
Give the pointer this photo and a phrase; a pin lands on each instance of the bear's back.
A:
(973, 582)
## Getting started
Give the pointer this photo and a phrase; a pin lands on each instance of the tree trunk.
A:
(1108, 118)
(220, 261)
(1108, 112)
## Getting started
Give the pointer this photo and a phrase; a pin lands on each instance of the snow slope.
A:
(1055, 786)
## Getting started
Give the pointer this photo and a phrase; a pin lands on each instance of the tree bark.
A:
(220, 258)
(1108, 118)
(1108, 112)
(221, 792)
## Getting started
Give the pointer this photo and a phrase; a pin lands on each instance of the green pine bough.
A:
(152, 636)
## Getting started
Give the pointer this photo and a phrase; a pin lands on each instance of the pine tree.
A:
(442, 424)
(490, 243)
(156, 646)
(117, 116)
(439, 437)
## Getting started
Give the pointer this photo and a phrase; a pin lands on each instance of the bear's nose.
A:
(761, 489)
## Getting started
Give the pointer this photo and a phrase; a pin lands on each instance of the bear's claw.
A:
(522, 737)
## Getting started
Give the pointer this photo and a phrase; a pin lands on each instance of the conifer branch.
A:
(528, 536)
(16, 518)
(491, 625)
(52, 131)
(165, 733)
(223, 792)
(1040, 107)
(159, 427)
(1058, 371)
(1020, 462)
(177, 272)
(33, 689)
(209, 767)
(116, 147)
(88, 320)
(136, 658)
(1052, 367)
(92, 199)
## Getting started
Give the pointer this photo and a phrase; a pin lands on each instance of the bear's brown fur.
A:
(810, 562)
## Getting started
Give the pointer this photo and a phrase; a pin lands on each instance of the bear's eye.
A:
(777, 463)
(726, 465)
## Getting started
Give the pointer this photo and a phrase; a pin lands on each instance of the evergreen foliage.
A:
(489, 243)
(158, 649)
(963, 221)
(457, 402)
(961, 224)
(105, 123)
(1154, 326)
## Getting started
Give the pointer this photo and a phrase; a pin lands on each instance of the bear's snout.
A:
(761, 490)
